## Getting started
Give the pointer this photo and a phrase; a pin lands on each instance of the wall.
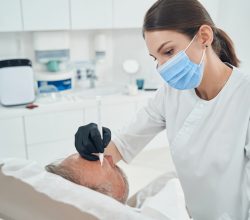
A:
(234, 18)
(231, 15)
(129, 44)
(121, 45)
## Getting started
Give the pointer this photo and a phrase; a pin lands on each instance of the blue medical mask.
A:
(180, 72)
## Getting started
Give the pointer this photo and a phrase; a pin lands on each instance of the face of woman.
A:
(164, 44)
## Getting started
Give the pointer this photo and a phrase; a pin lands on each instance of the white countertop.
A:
(69, 101)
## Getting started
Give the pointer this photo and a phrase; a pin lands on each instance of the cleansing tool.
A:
(99, 123)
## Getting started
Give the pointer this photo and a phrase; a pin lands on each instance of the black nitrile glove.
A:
(88, 140)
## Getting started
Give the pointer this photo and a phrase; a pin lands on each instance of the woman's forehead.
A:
(163, 34)
(154, 39)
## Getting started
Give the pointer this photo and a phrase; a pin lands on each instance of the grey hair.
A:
(68, 174)
(62, 171)
(124, 176)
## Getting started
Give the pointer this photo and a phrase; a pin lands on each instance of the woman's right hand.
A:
(88, 141)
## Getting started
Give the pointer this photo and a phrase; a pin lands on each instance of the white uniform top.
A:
(209, 143)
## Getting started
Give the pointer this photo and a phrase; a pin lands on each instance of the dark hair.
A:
(187, 16)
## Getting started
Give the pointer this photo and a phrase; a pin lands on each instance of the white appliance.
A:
(53, 72)
(57, 82)
(51, 46)
(16, 82)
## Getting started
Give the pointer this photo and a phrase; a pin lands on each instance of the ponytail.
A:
(224, 48)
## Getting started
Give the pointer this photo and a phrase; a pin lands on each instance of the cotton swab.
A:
(99, 123)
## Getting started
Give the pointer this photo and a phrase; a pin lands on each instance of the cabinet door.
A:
(114, 116)
(46, 153)
(91, 14)
(45, 15)
(130, 13)
(52, 126)
(12, 142)
(10, 15)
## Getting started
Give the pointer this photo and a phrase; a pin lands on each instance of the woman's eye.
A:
(169, 52)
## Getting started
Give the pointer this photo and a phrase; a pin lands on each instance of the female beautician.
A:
(204, 106)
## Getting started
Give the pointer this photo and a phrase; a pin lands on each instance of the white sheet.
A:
(163, 199)
(168, 203)
(59, 189)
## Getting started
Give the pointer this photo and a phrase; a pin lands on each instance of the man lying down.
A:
(158, 199)
(108, 179)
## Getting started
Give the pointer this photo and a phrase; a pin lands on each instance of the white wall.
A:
(231, 15)
(234, 17)
(212, 8)
(121, 44)
(129, 44)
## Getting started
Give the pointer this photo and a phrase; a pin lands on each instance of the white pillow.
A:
(29, 192)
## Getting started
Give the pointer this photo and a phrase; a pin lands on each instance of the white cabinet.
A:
(130, 13)
(10, 15)
(114, 116)
(12, 142)
(46, 153)
(91, 14)
(51, 136)
(117, 115)
(45, 15)
(39, 15)
(54, 126)
(45, 135)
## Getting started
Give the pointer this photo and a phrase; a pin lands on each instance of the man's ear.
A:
(205, 35)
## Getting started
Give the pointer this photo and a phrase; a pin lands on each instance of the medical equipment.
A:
(99, 123)
(53, 72)
(16, 82)
(55, 82)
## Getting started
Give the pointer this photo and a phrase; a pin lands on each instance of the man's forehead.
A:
(76, 161)
(74, 158)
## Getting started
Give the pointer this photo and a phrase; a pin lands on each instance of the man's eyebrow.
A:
(162, 45)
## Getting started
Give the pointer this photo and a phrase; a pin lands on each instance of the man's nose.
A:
(110, 160)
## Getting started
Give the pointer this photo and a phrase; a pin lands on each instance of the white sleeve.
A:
(247, 149)
(146, 124)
